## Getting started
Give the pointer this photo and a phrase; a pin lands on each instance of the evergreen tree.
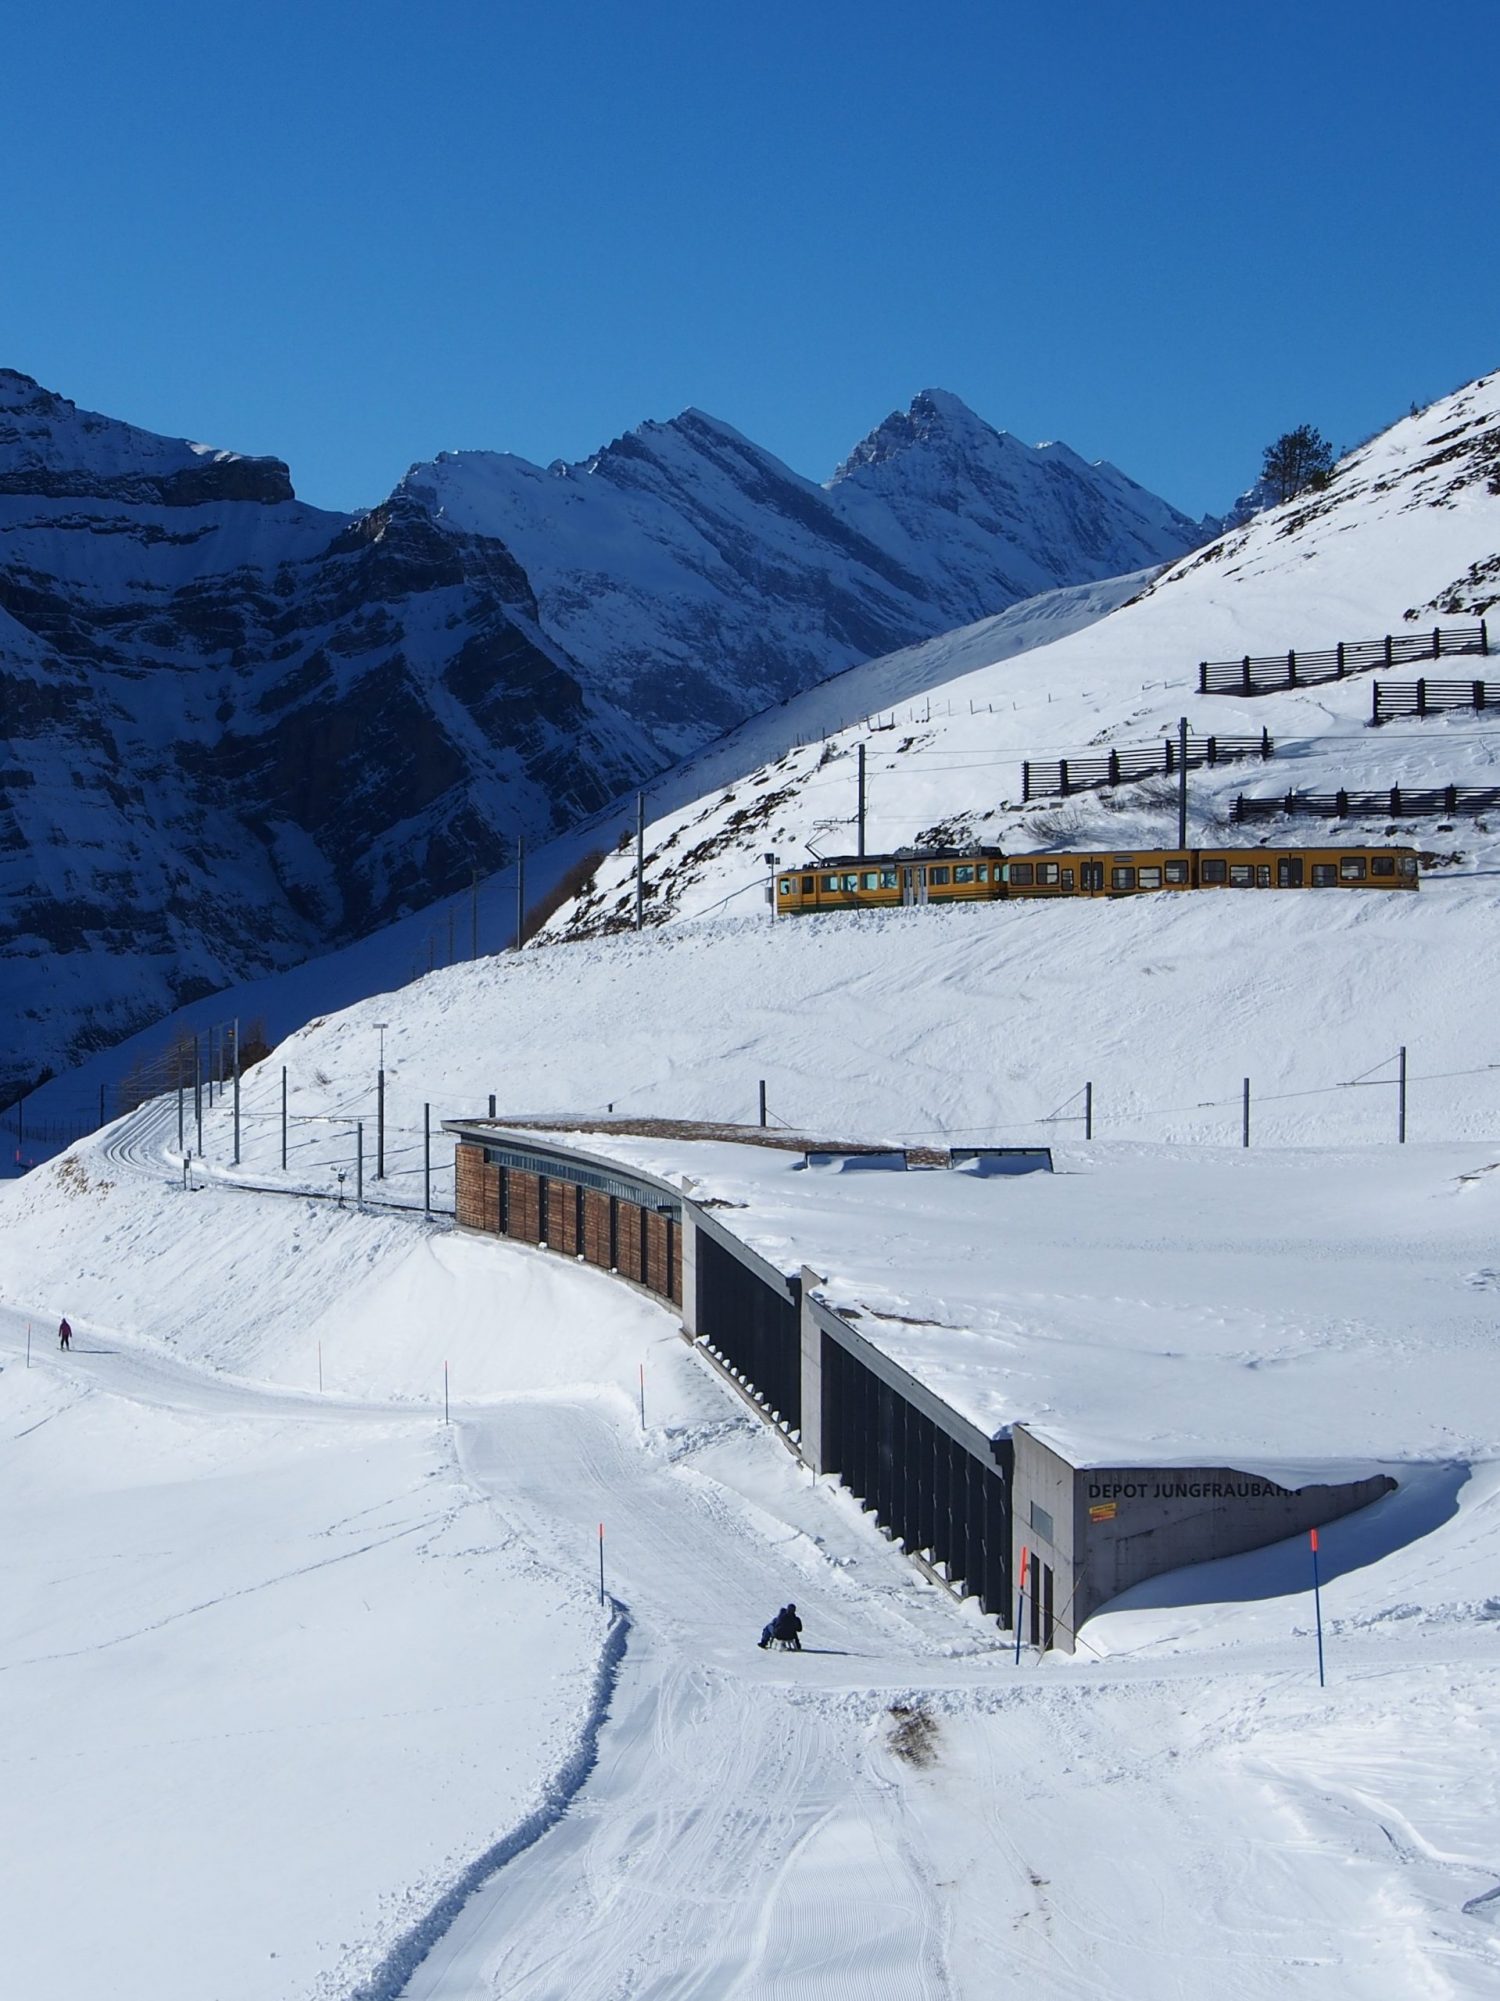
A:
(1298, 459)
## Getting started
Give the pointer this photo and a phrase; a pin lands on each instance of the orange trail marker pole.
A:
(1020, 1603)
(1317, 1603)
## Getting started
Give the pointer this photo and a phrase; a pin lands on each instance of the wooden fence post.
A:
(1422, 696)
(1291, 669)
(1437, 641)
(1246, 672)
(1339, 671)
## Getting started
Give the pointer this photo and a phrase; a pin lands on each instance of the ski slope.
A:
(337, 1661)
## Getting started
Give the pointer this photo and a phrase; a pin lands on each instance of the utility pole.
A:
(860, 850)
(359, 1161)
(1245, 1116)
(236, 1090)
(1182, 736)
(640, 856)
(1401, 1100)
(762, 1100)
(1088, 1111)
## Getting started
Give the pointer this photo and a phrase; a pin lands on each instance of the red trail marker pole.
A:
(1020, 1603)
(1317, 1603)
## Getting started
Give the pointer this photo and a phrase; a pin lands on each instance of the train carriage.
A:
(857, 882)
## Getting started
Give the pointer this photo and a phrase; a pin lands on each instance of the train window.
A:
(1214, 871)
(1021, 872)
(872, 878)
(1046, 872)
(1408, 864)
(851, 882)
(936, 875)
(786, 885)
(1352, 868)
(807, 885)
(1241, 874)
(1150, 878)
(1122, 878)
(982, 873)
(830, 882)
(1067, 878)
(1262, 875)
(963, 875)
(887, 878)
(1382, 864)
(1176, 872)
(1323, 873)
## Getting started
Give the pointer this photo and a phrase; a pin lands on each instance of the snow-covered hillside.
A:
(240, 731)
(1407, 536)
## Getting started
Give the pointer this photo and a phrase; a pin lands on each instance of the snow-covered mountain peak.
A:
(935, 419)
(49, 448)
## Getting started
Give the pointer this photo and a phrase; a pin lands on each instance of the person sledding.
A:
(785, 1630)
(64, 1335)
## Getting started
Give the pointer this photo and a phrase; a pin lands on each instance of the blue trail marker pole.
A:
(1020, 1604)
(1317, 1603)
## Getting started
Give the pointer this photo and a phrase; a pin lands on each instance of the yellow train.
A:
(861, 882)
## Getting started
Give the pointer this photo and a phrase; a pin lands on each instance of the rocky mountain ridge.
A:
(239, 730)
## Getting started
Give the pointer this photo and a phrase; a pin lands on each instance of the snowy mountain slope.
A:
(683, 553)
(1406, 536)
(240, 731)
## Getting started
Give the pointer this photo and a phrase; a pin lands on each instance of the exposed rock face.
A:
(238, 730)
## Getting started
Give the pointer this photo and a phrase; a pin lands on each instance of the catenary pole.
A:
(283, 1118)
(359, 1160)
(860, 850)
(236, 1090)
(1088, 1111)
(1245, 1116)
(640, 857)
(1401, 1099)
(427, 1157)
(1182, 747)
(520, 891)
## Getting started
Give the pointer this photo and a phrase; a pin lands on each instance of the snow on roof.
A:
(1297, 1313)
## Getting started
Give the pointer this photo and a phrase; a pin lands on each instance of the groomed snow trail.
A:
(733, 1838)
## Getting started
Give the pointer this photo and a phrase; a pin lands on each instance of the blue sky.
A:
(357, 235)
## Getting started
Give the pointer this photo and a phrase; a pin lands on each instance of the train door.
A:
(914, 884)
(1090, 876)
(1289, 872)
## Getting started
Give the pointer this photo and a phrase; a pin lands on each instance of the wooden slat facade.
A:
(644, 1245)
